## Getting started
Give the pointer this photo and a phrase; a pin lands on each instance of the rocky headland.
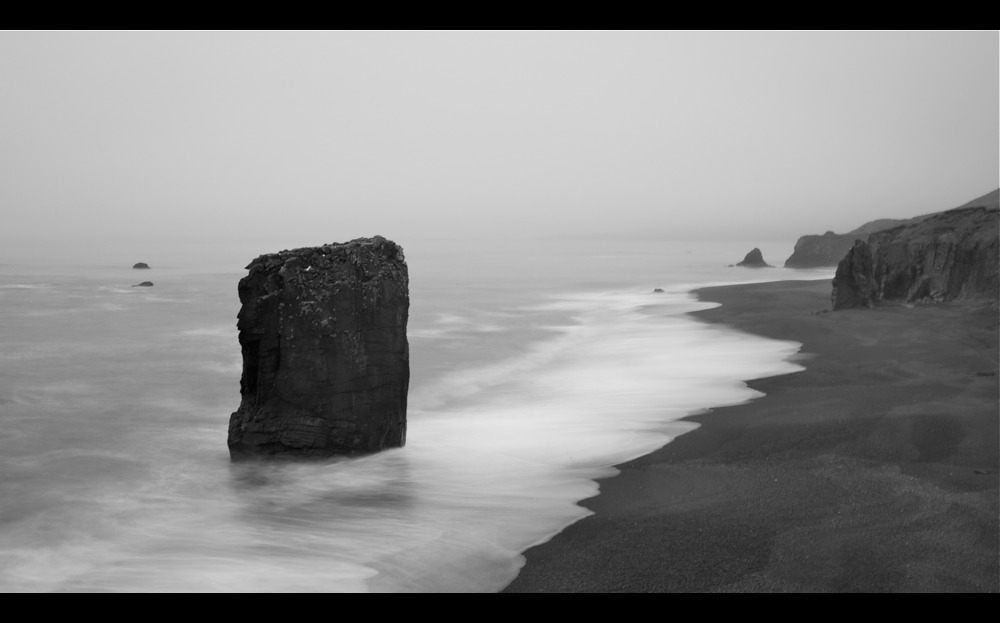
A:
(953, 255)
(814, 251)
(325, 352)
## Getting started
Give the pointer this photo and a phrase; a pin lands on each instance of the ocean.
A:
(536, 366)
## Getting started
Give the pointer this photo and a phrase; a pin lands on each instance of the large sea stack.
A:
(325, 355)
(953, 255)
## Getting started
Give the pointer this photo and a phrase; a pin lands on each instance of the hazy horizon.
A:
(316, 137)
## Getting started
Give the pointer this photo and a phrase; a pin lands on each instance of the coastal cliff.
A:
(952, 255)
(827, 250)
(325, 353)
(814, 251)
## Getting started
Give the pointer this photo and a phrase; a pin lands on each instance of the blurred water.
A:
(536, 367)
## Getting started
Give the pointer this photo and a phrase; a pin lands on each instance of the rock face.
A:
(830, 248)
(141, 265)
(946, 256)
(325, 355)
(754, 259)
(827, 250)
(854, 285)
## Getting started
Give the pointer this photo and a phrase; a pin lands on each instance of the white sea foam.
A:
(155, 298)
(118, 289)
(116, 475)
(452, 326)
(26, 286)
(609, 389)
(48, 313)
(231, 369)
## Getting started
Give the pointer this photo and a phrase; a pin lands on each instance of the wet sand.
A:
(874, 470)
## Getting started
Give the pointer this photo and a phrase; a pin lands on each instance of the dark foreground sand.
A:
(874, 470)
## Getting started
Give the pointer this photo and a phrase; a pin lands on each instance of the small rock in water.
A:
(658, 291)
(144, 284)
(140, 265)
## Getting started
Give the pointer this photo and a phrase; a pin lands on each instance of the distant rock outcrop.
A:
(754, 259)
(941, 257)
(827, 250)
(144, 284)
(325, 354)
(141, 265)
(830, 248)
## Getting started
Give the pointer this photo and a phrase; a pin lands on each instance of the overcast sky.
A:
(328, 136)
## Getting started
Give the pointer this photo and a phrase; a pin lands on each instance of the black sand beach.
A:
(874, 470)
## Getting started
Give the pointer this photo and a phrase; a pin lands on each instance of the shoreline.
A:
(873, 470)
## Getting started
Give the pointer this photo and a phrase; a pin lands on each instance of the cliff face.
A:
(830, 248)
(325, 355)
(853, 286)
(827, 250)
(814, 251)
(946, 256)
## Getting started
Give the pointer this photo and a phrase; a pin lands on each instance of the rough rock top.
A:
(365, 252)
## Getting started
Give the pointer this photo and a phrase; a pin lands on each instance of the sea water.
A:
(536, 366)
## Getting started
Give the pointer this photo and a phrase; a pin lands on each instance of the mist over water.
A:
(535, 369)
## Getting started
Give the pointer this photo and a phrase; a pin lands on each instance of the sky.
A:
(326, 136)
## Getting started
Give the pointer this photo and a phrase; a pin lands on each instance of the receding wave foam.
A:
(541, 427)
(26, 286)
(452, 326)
(226, 332)
(497, 458)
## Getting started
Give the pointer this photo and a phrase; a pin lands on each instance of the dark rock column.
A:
(325, 355)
